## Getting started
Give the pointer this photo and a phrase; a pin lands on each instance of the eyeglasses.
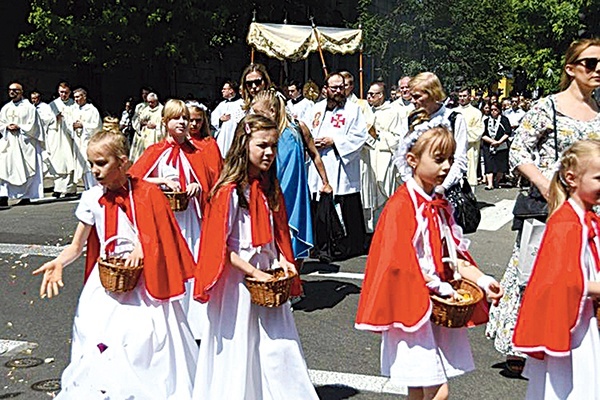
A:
(14, 90)
(373, 94)
(337, 88)
(255, 82)
(589, 63)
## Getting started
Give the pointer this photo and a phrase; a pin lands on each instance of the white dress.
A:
(249, 352)
(431, 354)
(190, 223)
(128, 345)
(577, 376)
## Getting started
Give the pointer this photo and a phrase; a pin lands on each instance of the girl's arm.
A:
(309, 144)
(492, 288)
(593, 288)
(247, 268)
(52, 270)
(171, 184)
(535, 176)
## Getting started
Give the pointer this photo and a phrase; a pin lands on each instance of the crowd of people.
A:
(276, 176)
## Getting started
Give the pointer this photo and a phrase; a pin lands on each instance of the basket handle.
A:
(113, 239)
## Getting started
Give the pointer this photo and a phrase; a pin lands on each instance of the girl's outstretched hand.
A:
(260, 276)
(494, 292)
(52, 279)
(134, 259)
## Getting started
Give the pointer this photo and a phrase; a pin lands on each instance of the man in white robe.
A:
(86, 122)
(137, 112)
(226, 115)
(20, 149)
(151, 128)
(404, 102)
(339, 129)
(298, 105)
(47, 123)
(388, 125)
(474, 120)
(368, 193)
(60, 143)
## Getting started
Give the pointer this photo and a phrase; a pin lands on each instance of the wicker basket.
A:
(114, 275)
(271, 293)
(597, 311)
(447, 312)
(178, 200)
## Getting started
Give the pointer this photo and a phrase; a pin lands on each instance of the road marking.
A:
(31, 249)
(495, 217)
(341, 275)
(8, 348)
(367, 383)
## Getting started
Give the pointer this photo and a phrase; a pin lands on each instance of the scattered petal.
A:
(102, 347)
(49, 360)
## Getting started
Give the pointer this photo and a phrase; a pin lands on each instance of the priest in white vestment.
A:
(137, 112)
(298, 105)
(60, 143)
(86, 121)
(226, 115)
(403, 103)
(151, 130)
(475, 128)
(47, 123)
(339, 129)
(20, 149)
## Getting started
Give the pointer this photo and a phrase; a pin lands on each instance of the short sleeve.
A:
(84, 210)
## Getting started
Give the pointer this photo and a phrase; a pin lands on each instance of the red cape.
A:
(211, 154)
(206, 169)
(213, 246)
(394, 293)
(555, 292)
(167, 263)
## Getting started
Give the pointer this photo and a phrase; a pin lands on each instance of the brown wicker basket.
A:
(178, 200)
(271, 293)
(597, 310)
(447, 312)
(114, 275)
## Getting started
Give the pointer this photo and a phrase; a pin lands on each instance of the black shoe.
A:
(4, 203)
(489, 188)
(24, 202)
(68, 195)
(56, 195)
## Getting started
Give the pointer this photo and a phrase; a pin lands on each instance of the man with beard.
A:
(86, 121)
(226, 115)
(20, 149)
(339, 129)
(474, 120)
(60, 143)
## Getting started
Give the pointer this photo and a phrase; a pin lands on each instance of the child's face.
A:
(429, 169)
(586, 185)
(108, 169)
(262, 149)
(177, 127)
(196, 121)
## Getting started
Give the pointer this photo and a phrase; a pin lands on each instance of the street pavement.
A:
(344, 363)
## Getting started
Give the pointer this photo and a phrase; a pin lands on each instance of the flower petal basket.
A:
(448, 312)
(271, 293)
(177, 200)
(115, 276)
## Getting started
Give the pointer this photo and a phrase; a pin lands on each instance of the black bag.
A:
(327, 229)
(466, 212)
(530, 205)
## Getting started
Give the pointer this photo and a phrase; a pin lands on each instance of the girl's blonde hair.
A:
(437, 140)
(174, 108)
(204, 129)
(429, 83)
(272, 99)
(111, 138)
(572, 54)
(574, 159)
(235, 168)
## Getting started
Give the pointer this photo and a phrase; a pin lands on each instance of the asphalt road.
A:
(344, 362)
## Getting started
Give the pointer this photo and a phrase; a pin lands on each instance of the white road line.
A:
(30, 249)
(346, 275)
(367, 383)
(494, 218)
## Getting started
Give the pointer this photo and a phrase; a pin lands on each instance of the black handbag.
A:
(466, 212)
(327, 229)
(533, 204)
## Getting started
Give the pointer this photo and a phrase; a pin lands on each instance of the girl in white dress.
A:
(557, 327)
(248, 352)
(405, 264)
(135, 344)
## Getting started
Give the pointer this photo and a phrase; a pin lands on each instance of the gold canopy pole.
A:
(252, 48)
(319, 46)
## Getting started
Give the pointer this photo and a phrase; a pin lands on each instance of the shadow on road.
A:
(335, 392)
(323, 294)
(315, 266)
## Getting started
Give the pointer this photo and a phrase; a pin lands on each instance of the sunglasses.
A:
(256, 82)
(588, 62)
(14, 90)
